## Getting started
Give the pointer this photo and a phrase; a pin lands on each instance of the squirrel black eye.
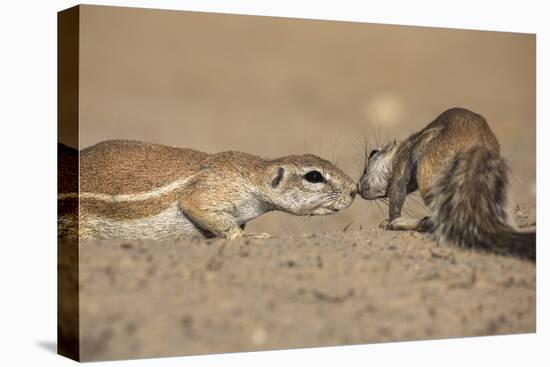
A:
(314, 177)
(373, 152)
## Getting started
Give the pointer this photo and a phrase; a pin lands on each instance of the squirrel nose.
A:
(363, 186)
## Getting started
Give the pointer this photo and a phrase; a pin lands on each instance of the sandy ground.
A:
(146, 299)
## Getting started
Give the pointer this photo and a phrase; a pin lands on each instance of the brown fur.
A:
(126, 166)
(455, 164)
(129, 188)
(454, 131)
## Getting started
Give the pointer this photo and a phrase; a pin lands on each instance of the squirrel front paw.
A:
(386, 224)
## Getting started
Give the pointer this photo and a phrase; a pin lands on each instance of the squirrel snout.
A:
(362, 188)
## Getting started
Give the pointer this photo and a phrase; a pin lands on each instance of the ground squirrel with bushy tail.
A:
(138, 190)
(455, 164)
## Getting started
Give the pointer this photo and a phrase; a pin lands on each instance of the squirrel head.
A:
(308, 185)
(377, 174)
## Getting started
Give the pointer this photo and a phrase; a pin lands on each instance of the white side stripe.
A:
(138, 196)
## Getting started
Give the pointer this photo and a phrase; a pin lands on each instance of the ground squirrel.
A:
(138, 190)
(455, 164)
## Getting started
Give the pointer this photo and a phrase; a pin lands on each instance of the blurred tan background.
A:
(275, 86)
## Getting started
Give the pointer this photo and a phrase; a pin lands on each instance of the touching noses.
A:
(362, 186)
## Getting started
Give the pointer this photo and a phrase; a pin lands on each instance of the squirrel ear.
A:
(276, 180)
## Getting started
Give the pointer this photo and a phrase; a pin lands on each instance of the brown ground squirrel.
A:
(139, 190)
(455, 164)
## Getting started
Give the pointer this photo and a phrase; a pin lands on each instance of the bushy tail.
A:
(469, 206)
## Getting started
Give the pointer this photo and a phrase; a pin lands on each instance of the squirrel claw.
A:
(386, 224)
